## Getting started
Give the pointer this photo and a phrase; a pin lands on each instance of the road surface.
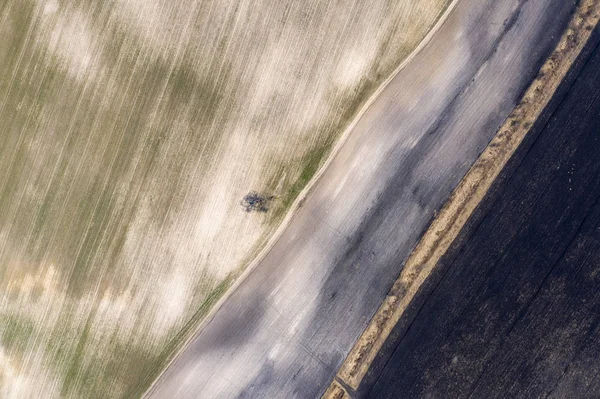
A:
(289, 325)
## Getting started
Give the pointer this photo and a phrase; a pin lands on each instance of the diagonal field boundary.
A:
(464, 200)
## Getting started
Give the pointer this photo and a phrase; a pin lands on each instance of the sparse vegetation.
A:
(255, 202)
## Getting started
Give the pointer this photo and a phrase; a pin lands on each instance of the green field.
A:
(129, 132)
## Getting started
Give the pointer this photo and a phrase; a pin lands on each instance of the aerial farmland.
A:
(131, 131)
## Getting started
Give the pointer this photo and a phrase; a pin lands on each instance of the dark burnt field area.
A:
(515, 310)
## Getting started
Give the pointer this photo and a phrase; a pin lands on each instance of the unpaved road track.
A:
(289, 325)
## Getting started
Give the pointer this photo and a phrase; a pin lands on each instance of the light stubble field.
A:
(129, 132)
